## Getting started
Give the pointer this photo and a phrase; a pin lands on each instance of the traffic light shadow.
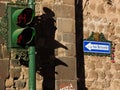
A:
(46, 63)
(45, 46)
(45, 66)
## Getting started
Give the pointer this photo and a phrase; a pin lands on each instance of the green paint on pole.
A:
(32, 73)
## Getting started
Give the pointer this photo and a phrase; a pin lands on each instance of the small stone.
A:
(117, 75)
(98, 64)
(92, 75)
(91, 66)
(101, 9)
(101, 75)
(10, 88)
(20, 84)
(38, 77)
(115, 85)
(117, 66)
(9, 82)
(15, 73)
(88, 83)
(106, 84)
(15, 62)
(107, 66)
(108, 74)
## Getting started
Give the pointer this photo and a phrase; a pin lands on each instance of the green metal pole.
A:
(31, 4)
(32, 73)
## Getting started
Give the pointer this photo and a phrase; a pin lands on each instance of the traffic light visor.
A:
(23, 17)
(16, 34)
(23, 36)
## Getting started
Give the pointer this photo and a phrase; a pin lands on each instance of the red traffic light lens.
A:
(26, 37)
(25, 17)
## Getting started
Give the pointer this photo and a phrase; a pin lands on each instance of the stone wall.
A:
(102, 16)
(100, 73)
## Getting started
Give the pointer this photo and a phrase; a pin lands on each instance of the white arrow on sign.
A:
(91, 46)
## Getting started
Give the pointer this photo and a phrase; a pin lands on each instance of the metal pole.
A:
(32, 73)
(31, 4)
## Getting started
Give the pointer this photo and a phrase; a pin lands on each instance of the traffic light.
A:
(24, 34)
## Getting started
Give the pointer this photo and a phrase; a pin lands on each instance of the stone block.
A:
(91, 26)
(115, 85)
(3, 50)
(48, 1)
(9, 83)
(60, 52)
(69, 37)
(106, 84)
(86, 34)
(117, 47)
(2, 84)
(117, 29)
(90, 65)
(101, 28)
(15, 62)
(98, 64)
(2, 9)
(101, 9)
(117, 66)
(107, 66)
(101, 75)
(111, 9)
(4, 68)
(117, 75)
(71, 50)
(20, 84)
(9, 88)
(89, 83)
(64, 11)
(92, 6)
(66, 85)
(92, 75)
(67, 69)
(69, 2)
(66, 25)
(15, 73)
(108, 74)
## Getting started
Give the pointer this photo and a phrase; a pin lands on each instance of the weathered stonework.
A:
(100, 72)
(103, 17)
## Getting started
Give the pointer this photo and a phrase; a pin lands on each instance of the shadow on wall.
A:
(79, 44)
(45, 45)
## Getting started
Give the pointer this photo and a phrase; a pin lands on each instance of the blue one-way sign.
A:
(97, 47)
